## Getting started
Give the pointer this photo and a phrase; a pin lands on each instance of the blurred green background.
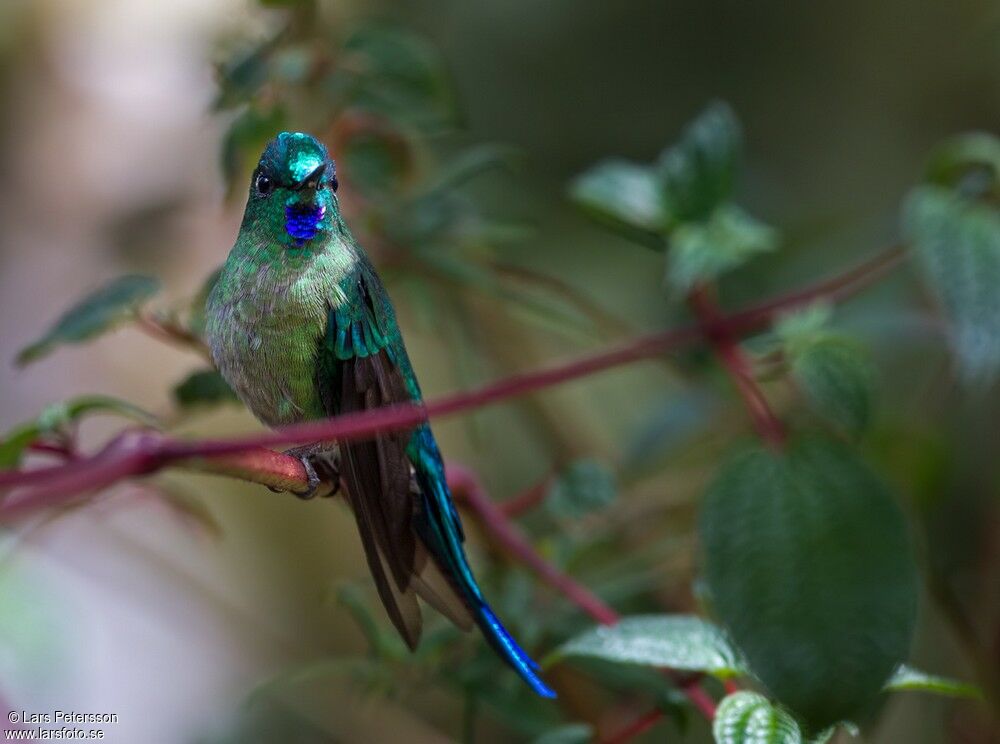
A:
(111, 160)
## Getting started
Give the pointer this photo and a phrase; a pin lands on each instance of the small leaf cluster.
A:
(682, 202)
(833, 370)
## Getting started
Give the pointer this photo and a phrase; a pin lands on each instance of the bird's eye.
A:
(264, 185)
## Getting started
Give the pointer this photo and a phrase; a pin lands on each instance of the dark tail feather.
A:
(508, 649)
(377, 475)
(400, 601)
(441, 533)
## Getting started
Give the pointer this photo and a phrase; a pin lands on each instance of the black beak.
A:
(311, 181)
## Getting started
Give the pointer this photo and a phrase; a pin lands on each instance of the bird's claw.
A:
(314, 479)
(320, 466)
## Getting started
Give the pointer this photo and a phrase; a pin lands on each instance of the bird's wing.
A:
(439, 528)
(358, 370)
(412, 533)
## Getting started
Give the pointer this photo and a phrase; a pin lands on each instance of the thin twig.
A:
(839, 287)
(52, 448)
(528, 499)
(739, 368)
(636, 728)
(166, 330)
(466, 487)
(601, 317)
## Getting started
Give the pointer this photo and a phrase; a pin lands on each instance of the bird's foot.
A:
(313, 477)
(322, 466)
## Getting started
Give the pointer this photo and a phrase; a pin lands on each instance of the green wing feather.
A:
(357, 370)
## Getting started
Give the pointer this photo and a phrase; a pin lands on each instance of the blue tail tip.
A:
(534, 681)
(541, 688)
(523, 664)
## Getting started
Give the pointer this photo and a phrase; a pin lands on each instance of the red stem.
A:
(739, 368)
(838, 287)
(171, 333)
(465, 486)
(52, 448)
(131, 455)
(636, 728)
(528, 499)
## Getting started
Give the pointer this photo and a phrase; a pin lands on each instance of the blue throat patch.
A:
(302, 221)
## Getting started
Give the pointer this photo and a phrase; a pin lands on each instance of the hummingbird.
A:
(301, 327)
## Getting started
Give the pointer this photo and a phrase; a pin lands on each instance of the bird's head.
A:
(293, 190)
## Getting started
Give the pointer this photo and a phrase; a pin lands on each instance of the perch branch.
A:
(141, 453)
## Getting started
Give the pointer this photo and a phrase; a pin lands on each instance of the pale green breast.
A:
(265, 320)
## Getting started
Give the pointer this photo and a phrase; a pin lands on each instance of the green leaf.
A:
(13, 445)
(826, 734)
(101, 311)
(908, 678)
(701, 251)
(837, 378)
(969, 162)
(810, 569)
(957, 243)
(203, 388)
(57, 416)
(697, 173)
(76, 408)
(621, 194)
(571, 733)
(583, 487)
(804, 326)
(677, 641)
(749, 718)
